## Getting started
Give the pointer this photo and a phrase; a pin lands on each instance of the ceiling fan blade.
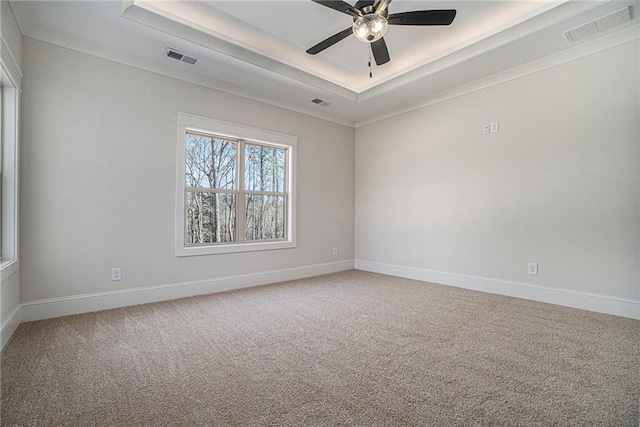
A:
(380, 52)
(340, 6)
(363, 3)
(330, 41)
(423, 17)
(381, 6)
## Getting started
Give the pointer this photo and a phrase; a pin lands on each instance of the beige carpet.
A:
(352, 348)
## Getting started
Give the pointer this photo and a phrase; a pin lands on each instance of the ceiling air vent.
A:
(179, 56)
(320, 102)
(601, 24)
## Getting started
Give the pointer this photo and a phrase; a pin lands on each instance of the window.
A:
(9, 95)
(235, 188)
(1, 155)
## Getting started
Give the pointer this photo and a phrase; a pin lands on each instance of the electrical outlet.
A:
(533, 268)
(494, 127)
(486, 128)
(335, 251)
(116, 274)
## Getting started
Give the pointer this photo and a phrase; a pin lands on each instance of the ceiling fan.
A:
(371, 20)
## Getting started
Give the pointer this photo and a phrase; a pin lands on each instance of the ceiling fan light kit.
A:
(371, 20)
(370, 27)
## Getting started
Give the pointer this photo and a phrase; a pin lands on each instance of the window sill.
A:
(8, 268)
(233, 248)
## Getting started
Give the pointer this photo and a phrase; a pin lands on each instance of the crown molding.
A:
(197, 23)
(186, 76)
(200, 24)
(526, 25)
(628, 35)
(9, 65)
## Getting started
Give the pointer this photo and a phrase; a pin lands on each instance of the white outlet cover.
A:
(533, 268)
(494, 127)
(486, 128)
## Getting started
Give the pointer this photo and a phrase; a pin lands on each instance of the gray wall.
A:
(558, 185)
(98, 177)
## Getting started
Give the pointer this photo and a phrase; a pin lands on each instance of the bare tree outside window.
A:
(210, 184)
(264, 179)
(216, 192)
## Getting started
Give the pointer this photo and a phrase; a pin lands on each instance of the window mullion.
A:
(240, 198)
(209, 190)
(264, 193)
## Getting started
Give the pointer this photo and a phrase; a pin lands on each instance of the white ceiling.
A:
(257, 48)
(284, 30)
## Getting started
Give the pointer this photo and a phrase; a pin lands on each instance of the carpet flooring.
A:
(351, 348)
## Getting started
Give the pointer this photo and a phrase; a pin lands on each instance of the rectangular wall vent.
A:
(179, 56)
(320, 102)
(601, 24)
(189, 60)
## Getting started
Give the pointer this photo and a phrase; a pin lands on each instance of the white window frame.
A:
(9, 128)
(189, 122)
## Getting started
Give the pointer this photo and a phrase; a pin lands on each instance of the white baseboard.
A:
(9, 326)
(584, 300)
(76, 304)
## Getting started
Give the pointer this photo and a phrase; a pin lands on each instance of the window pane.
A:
(264, 168)
(265, 217)
(211, 217)
(210, 162)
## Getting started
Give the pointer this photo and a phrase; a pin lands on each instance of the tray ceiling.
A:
(257, 48)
